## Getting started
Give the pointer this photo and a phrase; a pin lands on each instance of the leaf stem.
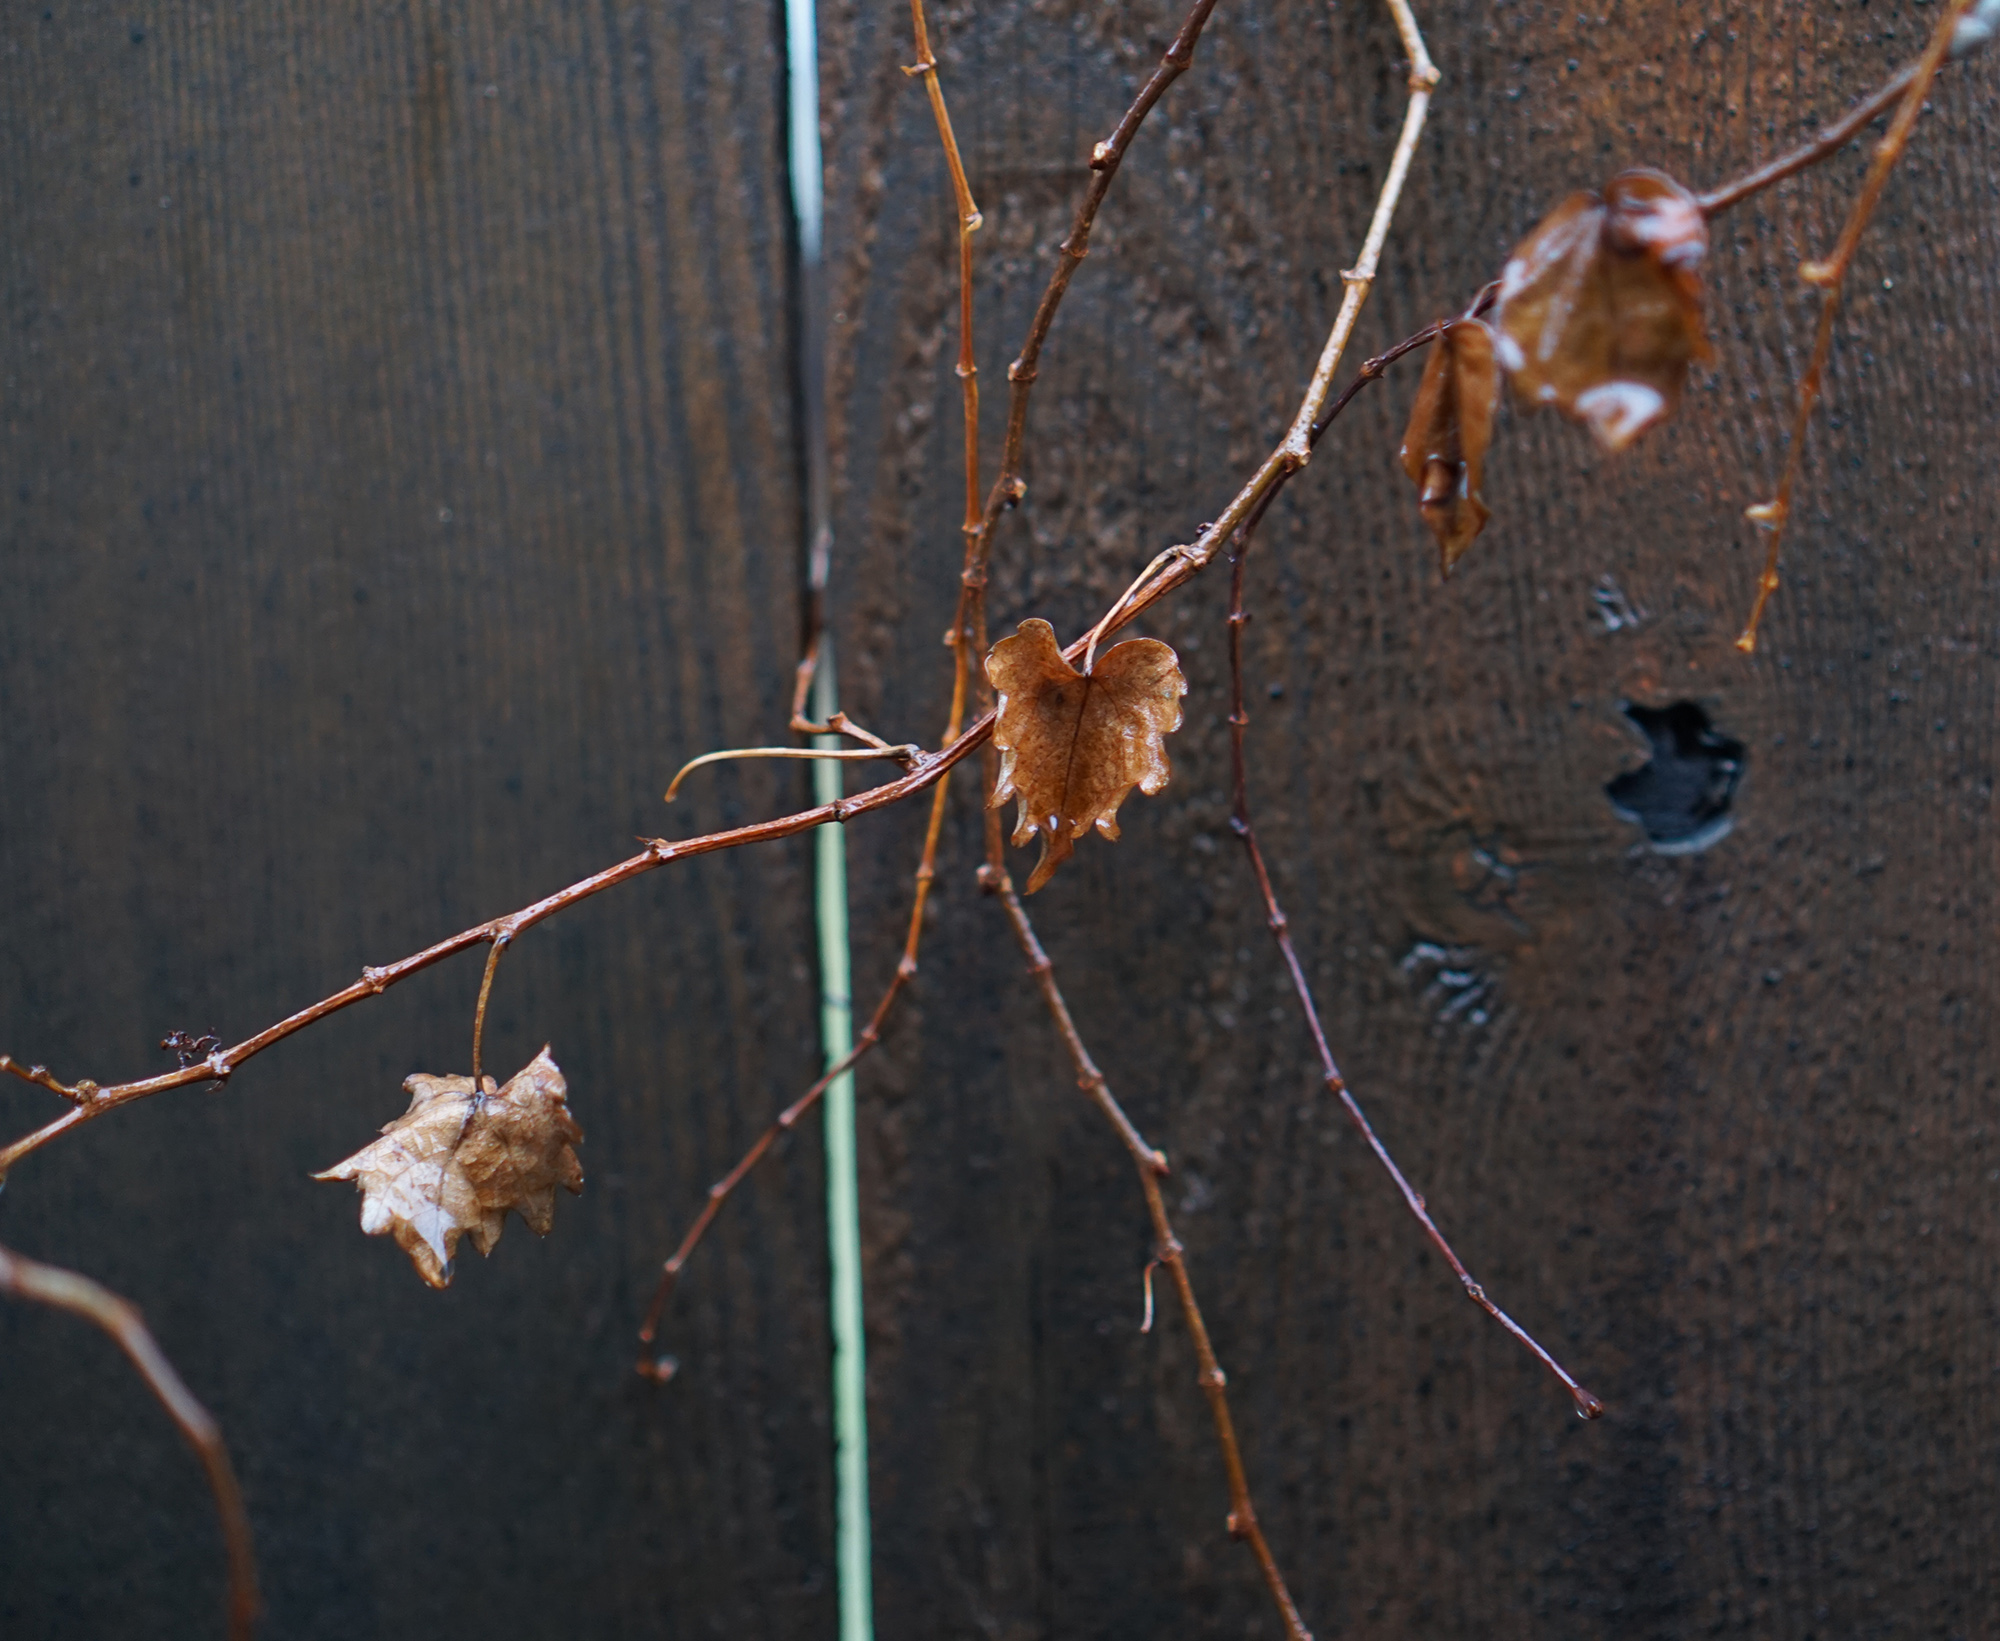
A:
(500, 944)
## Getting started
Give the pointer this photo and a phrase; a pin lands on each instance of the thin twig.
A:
(1150, 1166)
(1105, 159)
(968, 628)
(783, 1123)
(906, 755)
(1359, 279)
(30, 1279)
(1824, 146)
(1776, 513)
(1240, 822)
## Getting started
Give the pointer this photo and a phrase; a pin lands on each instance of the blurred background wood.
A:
(401, 481)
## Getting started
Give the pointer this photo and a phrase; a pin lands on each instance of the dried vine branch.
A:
(30, 1279)
(1150, 1164)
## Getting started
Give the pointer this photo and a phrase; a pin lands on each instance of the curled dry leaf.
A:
(1444, 447)
(1072, 744)
(1600, 307)
(460, 1157)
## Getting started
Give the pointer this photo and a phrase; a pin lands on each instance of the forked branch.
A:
(1775, 514)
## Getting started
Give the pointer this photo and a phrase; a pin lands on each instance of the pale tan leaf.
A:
(1073, 744)
(460, 1157)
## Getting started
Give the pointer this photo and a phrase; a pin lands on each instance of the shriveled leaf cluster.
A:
(1599, 315)
(1072, 744)
(461, 1157)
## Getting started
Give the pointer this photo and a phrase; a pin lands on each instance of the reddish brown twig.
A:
(1105, 159)
(1240, 822)
(30, 1279)
(1827, 275)
(1167, 1251)
(968, 630)
(1824, 146)
(789, 1118)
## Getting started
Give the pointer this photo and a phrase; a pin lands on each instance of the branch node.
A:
(1214, 1378)
(993, 880)
(218, 1066)
(1101, 156)
(374, 979)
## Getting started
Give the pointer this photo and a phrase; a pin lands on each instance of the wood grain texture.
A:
(401, 479)
(1719, 1128)
(400, 483)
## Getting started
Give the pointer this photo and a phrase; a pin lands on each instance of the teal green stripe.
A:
(843, 1197)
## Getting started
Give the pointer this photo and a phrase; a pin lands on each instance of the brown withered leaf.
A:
(1600, 307)
(1073, 744)
(460, 1157)
(1451, 424)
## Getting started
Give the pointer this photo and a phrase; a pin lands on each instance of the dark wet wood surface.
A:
(402, 478)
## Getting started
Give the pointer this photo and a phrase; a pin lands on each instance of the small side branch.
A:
(1828, 275)
(905, 755)
(1587, 1405)
(1168, 1253)
(29, 1279)
(1105, 159)
(786, 1120)
(42, 1077)
(968, 625)
(1360, 279)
